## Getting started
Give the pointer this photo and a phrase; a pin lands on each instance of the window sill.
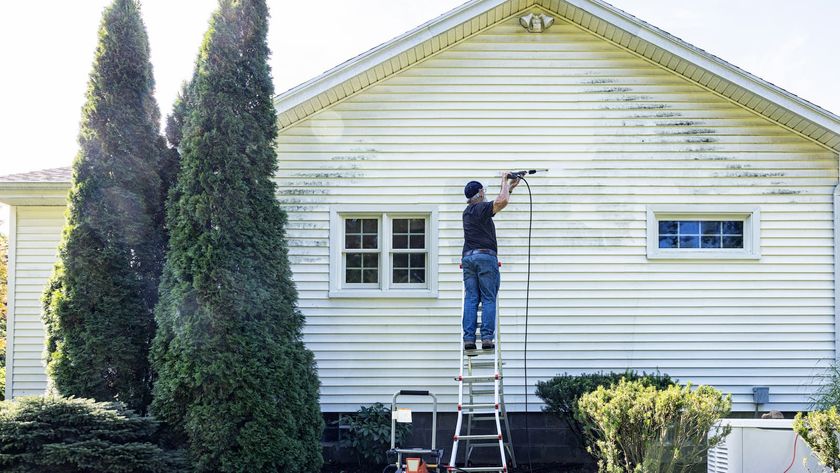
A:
(702, 255)
(380, 294)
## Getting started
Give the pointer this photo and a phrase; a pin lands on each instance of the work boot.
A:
(487, 344)
(469, 345)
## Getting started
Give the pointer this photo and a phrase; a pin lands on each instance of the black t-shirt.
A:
(479, 230)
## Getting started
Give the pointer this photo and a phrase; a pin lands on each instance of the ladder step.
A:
(479, 437)
(479, 392)
(489, 413)
(485, 364)
(480, 406)
(477, 418)
(486, 445)
(478, 379)
(481, 468)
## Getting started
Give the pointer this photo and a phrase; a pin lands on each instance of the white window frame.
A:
(750, 215)
(385, 288)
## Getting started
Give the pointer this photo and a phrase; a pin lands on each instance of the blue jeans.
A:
(481, 282)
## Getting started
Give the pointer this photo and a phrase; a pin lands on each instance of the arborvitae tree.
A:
(99, 305)
(233, 373)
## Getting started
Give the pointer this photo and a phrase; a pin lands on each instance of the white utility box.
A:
(761, 446)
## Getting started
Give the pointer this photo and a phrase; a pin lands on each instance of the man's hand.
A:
(514, 183)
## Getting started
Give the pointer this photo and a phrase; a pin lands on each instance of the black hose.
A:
(527, 300)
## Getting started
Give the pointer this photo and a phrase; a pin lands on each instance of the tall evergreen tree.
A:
(99, 305)
(233, 372)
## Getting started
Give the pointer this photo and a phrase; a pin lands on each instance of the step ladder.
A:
(481, 400)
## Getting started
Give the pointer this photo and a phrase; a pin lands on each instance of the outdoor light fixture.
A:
(536, 23)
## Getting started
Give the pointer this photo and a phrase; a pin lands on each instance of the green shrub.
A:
(367, 434)
(68, 435)
(641, 429)
(821, 431)
(561, 393)
(829, 393)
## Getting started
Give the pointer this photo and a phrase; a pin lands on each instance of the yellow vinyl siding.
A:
(618, 133)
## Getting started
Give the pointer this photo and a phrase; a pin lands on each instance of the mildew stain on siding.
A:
(608, 90)
(302, 192)
(640, 106)
(326, 175)
(352, 157)
(751, 174)
(783, 192)
(599, 81)
(704, 139)
(320, 243)
(679, 123)
(692, 131)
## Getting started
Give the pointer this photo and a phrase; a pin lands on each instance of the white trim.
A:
(749, 214)
(10, 314)
(836, 216)
(34, 193)
(385, 289)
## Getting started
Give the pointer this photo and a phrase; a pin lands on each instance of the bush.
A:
(821, 430)
(829, 393)
(367, 434)
(561, 393)
(639, 429)
(68, 435)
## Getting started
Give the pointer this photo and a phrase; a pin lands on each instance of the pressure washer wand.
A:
(518, 174)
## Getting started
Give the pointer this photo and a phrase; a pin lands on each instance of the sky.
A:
(46, 52)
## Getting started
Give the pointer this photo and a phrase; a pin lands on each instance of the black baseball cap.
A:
(472, 188)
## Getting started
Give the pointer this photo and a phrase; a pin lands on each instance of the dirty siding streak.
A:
(37, 232)
(618, 134)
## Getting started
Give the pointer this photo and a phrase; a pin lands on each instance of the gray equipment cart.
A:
(432, 456)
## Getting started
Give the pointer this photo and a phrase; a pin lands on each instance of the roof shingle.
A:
(44, 175)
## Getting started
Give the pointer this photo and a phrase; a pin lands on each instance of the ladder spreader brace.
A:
(480, 408)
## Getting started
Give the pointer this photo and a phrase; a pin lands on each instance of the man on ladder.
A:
(479, 260)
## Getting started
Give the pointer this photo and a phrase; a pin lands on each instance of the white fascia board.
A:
(34, 193)
(382, 53)
(836, 218)
(709, 62)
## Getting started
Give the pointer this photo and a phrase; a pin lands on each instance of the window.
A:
(701, 234)
(698, 232)
(361, 251)
(383, 252)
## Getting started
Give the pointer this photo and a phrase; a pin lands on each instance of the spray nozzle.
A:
(518, 174)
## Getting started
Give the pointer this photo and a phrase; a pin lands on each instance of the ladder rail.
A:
(499, 412)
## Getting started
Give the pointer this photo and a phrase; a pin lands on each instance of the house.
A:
(686, 224)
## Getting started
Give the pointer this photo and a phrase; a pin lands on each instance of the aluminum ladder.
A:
(481, 399)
